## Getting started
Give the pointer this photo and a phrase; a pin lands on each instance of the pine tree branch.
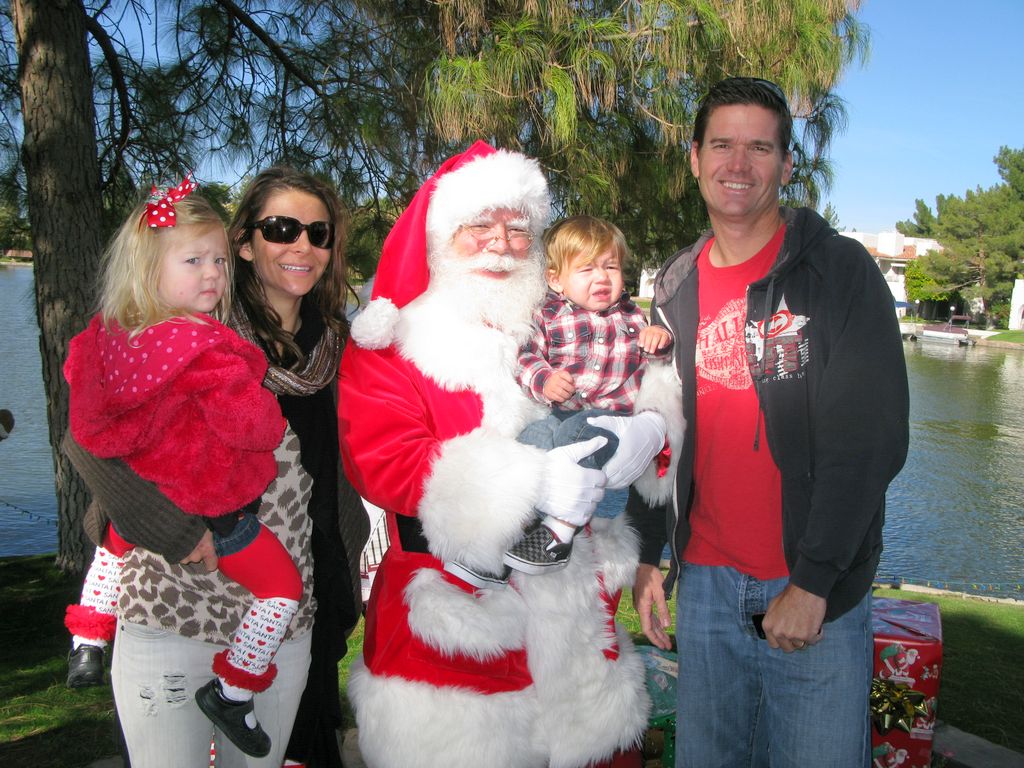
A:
(278, 53)
(99, 34)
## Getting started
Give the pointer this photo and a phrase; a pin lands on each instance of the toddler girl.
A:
(157, 381)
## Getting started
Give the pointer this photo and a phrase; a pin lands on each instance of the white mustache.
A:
(489, 262)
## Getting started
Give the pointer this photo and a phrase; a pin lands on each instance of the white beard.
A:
(506, 304)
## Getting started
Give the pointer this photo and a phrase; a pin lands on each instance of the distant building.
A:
(646, 288)
(892, 252)
(1017, 306)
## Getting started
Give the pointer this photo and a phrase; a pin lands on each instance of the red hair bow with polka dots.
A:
(160, 213)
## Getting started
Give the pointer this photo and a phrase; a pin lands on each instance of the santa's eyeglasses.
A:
(518, 239)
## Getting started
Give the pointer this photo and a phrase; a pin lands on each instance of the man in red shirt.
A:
(795, 395)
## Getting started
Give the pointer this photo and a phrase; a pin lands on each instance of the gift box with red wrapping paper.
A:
(905, 688)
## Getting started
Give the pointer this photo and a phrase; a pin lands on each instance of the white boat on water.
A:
(949, 332)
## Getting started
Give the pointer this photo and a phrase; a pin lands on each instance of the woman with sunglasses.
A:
(289, 300)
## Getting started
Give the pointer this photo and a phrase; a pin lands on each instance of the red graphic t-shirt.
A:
(736, 518)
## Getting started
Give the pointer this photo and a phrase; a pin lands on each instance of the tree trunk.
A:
(60, 161)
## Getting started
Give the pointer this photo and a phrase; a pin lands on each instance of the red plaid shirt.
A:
(599, 349)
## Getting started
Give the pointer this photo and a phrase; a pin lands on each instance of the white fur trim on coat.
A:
(479, 497)
(582, 706)
(406, 724)
(503, 179)
(591, 705)
(617, 547)
(662, 391)
(460, 355)
(484, 625)
(374, 327)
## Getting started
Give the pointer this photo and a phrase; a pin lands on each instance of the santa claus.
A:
(458, 670)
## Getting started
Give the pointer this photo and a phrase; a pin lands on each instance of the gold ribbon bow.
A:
(895, 705)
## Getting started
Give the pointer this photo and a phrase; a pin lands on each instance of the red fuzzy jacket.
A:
(182, 404)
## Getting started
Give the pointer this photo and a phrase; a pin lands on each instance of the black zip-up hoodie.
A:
(832, 389)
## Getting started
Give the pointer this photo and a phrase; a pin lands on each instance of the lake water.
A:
(955, 514)
(956, 511)
(28, 509)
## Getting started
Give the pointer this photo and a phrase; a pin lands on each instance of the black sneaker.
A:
(477, 578)
(538, 552)
(229, 716)
(85, 666)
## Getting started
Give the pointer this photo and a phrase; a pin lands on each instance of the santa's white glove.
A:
(641, 438)
(568, 491)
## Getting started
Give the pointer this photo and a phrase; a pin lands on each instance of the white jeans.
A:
(155, 675)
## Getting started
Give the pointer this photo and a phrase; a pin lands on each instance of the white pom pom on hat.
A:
(480, 179)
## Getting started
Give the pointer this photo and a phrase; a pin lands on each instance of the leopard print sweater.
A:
(190, 602)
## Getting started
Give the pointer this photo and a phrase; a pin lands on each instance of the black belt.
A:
(410, 534)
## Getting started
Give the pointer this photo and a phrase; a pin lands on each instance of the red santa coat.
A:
(535, 674)
(182, 404)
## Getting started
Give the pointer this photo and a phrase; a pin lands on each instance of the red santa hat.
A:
(478, 180)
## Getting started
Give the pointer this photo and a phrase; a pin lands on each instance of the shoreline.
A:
(883, 582)
(911, 331)
(923, 590)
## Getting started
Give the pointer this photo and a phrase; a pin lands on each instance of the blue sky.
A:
(941, 92)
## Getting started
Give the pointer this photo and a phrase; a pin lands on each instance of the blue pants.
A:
(742, 703)
(236, 535)
(565, 427)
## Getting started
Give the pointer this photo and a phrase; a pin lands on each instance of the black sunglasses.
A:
(285, 229)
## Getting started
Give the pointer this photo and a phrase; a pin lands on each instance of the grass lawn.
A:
(1014, 336)
(982, 673)
(44, 725)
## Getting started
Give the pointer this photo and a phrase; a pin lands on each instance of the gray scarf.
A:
(320, 368)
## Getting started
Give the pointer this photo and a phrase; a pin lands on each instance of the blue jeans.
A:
(244, 532)
(566, 427)
(741, 703)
